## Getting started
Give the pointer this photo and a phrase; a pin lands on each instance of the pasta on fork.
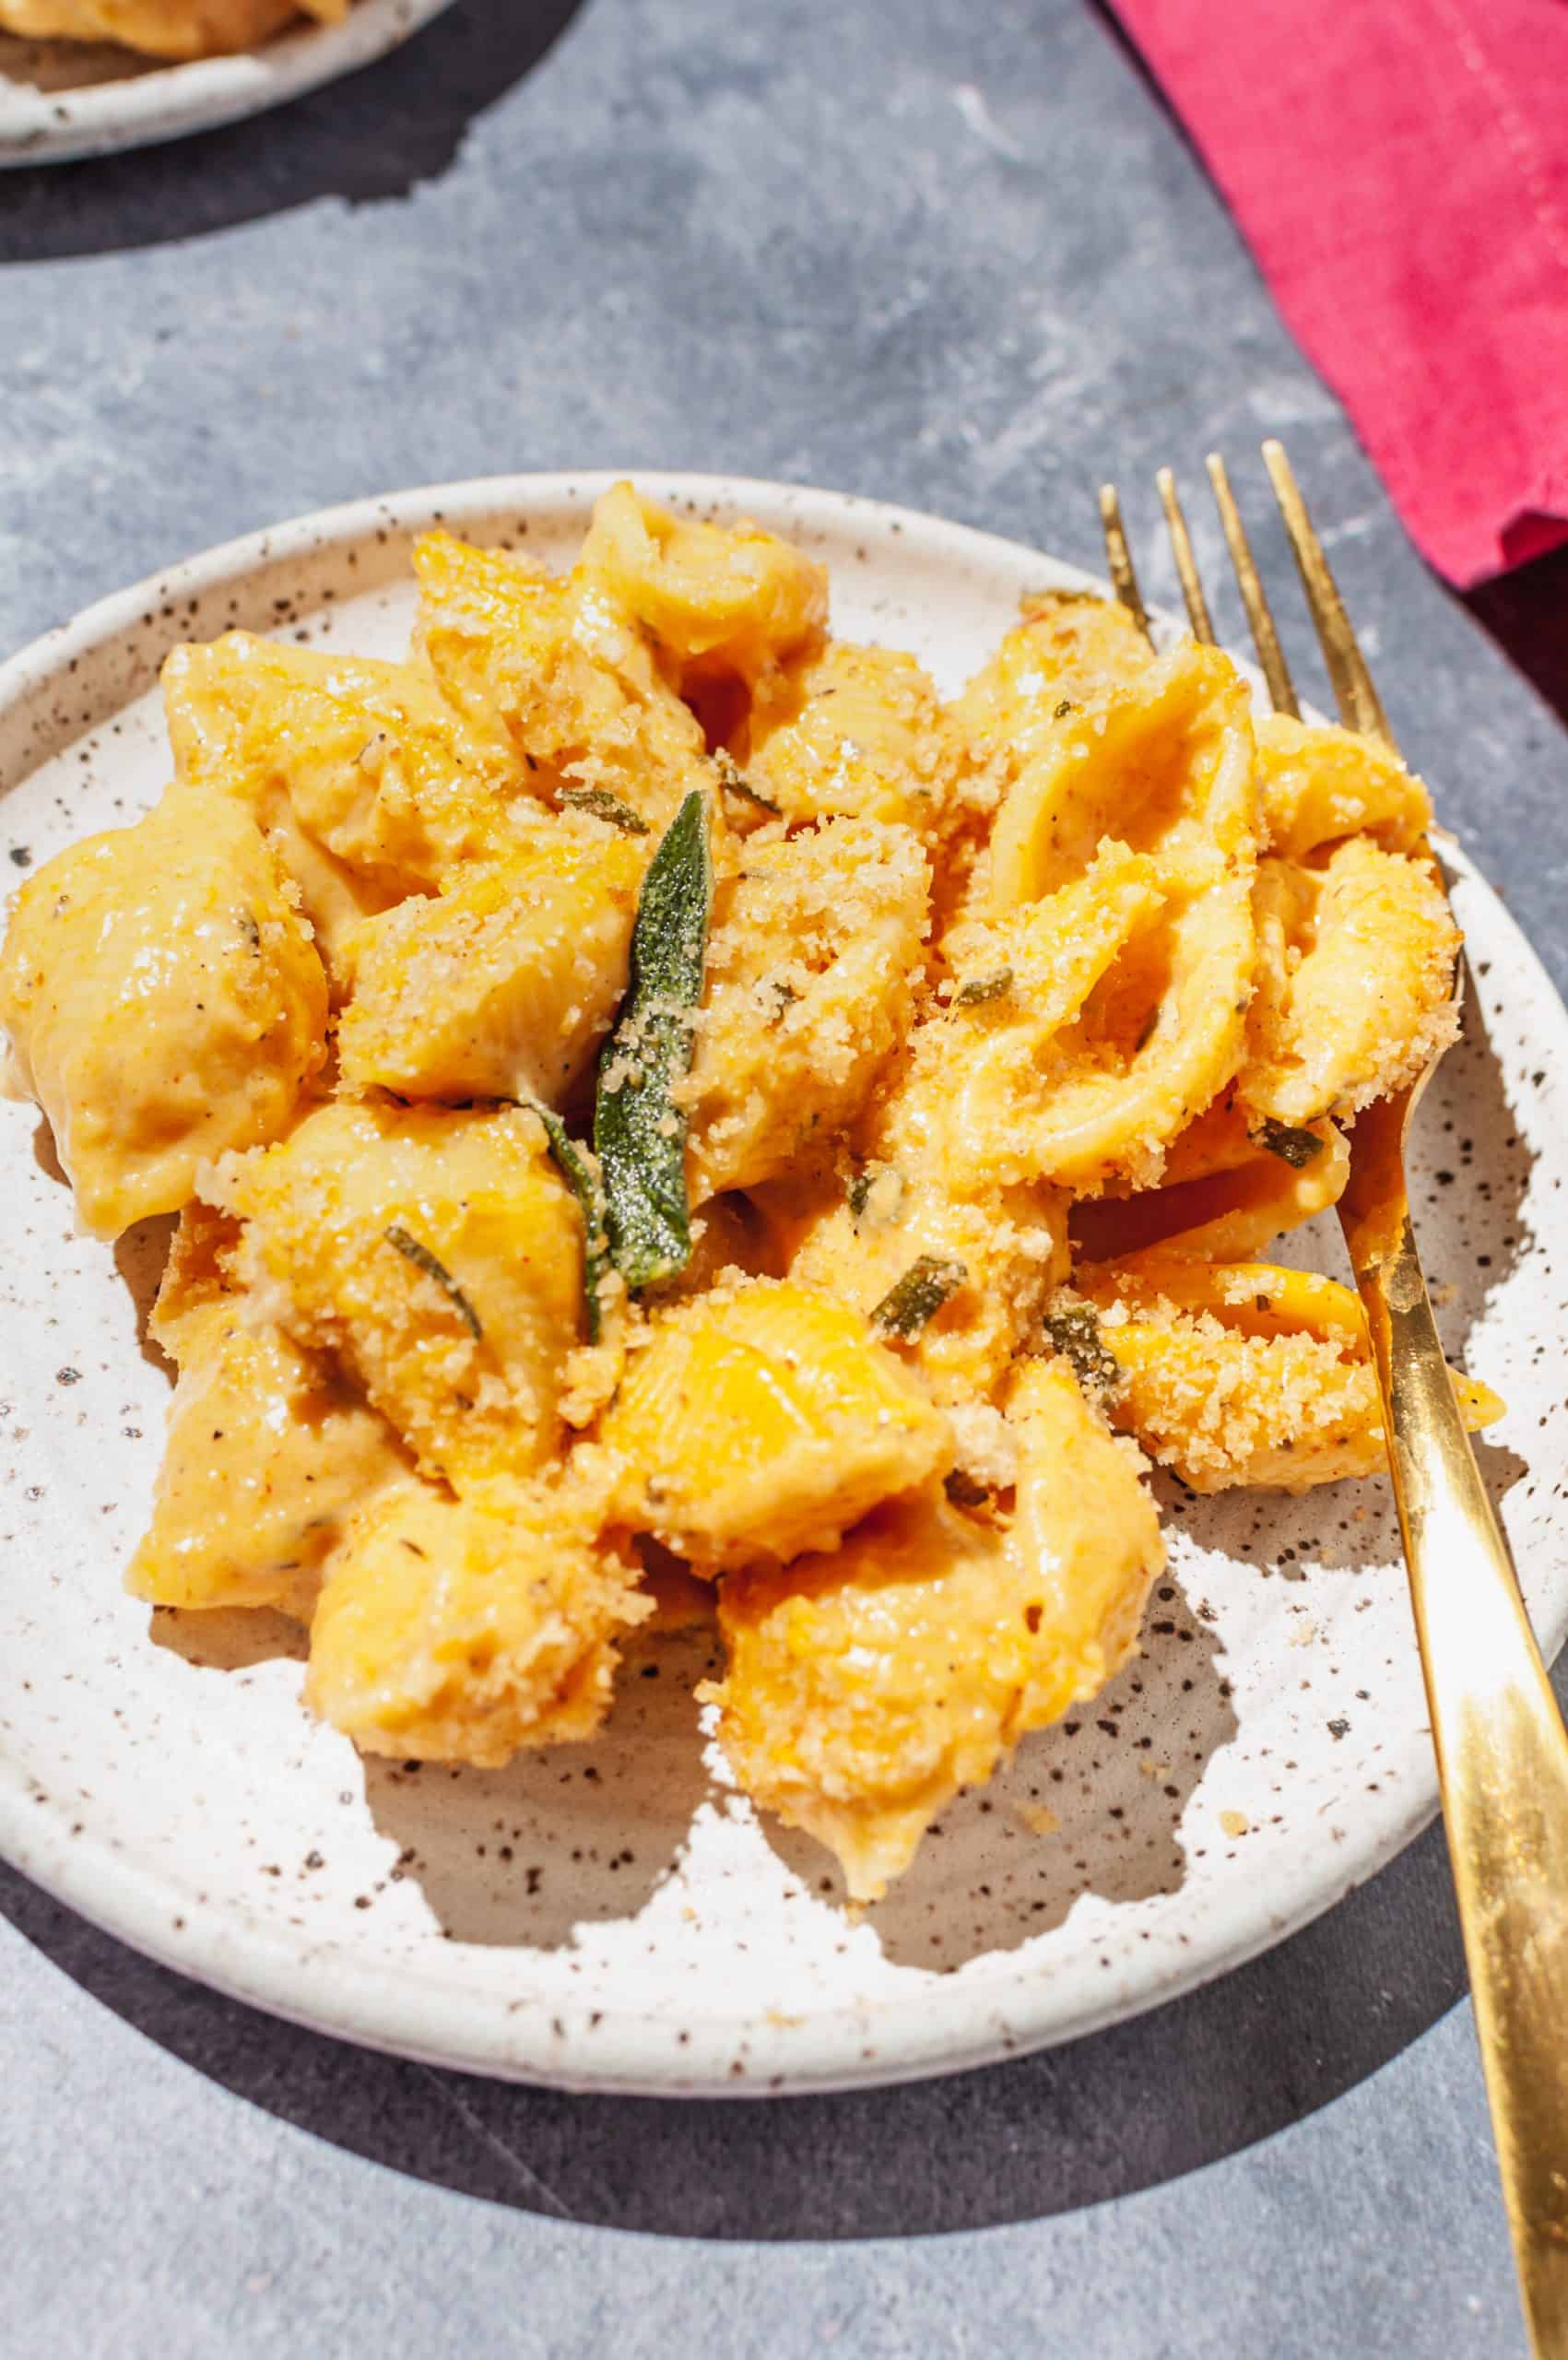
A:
(653, 1095)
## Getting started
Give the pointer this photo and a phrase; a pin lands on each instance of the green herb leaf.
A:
(600, 804)
(250, 932)
(1074, 1331)
(581, 1173)
(964, 1490)
(919, 1296)
(876, 1189)
(1063, 707)
(423, 1259)
(639, 1131)
(733, 781)
(1292, 1144)
(977, 989)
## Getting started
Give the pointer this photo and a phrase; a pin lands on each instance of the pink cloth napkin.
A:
(1400, 170)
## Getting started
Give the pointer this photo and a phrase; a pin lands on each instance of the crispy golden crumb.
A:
(1245, 1374)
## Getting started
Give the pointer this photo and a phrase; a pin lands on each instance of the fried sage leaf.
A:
(580, 1170)
(1073, 1329)
(600, 804)
(733, 781)
(978, 989)
(1292, 1144)
(918, 1295)
(423, 1259)
(639, 1130)
(876, 1191)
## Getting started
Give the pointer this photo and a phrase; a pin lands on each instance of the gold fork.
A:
(1502, 1749)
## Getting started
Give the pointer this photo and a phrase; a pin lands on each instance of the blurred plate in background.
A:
(63, 100)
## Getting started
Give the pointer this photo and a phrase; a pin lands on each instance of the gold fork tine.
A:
(1265, 638)
(1118, 556)
(1187, 564)
(1502, 1749)
(1359, 706)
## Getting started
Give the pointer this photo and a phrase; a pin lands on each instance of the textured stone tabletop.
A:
(950, 255)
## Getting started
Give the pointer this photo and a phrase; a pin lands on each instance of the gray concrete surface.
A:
(952, 256)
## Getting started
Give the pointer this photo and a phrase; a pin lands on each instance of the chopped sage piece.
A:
(1293, 1145)
(250, 932)
(1063, 706)
(600, 804)
(639, 1130)
(918, 1295)
(783, 995)
(580, 1170)
(423, 1259)
(876, 1189)
(733, 781)
(1073, 1330)
(977, 989)
(964, 1490)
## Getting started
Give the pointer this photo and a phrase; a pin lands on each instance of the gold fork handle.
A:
(1502, 1764)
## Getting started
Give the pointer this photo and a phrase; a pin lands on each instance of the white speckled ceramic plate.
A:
(63, 100)
(612, 1915)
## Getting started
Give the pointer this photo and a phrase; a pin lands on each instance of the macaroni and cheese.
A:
(652, 1096)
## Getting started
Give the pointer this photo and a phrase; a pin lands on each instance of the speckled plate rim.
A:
(941, 2030)
(39, 126)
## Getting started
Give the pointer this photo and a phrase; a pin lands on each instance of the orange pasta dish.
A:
(660, 1106)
